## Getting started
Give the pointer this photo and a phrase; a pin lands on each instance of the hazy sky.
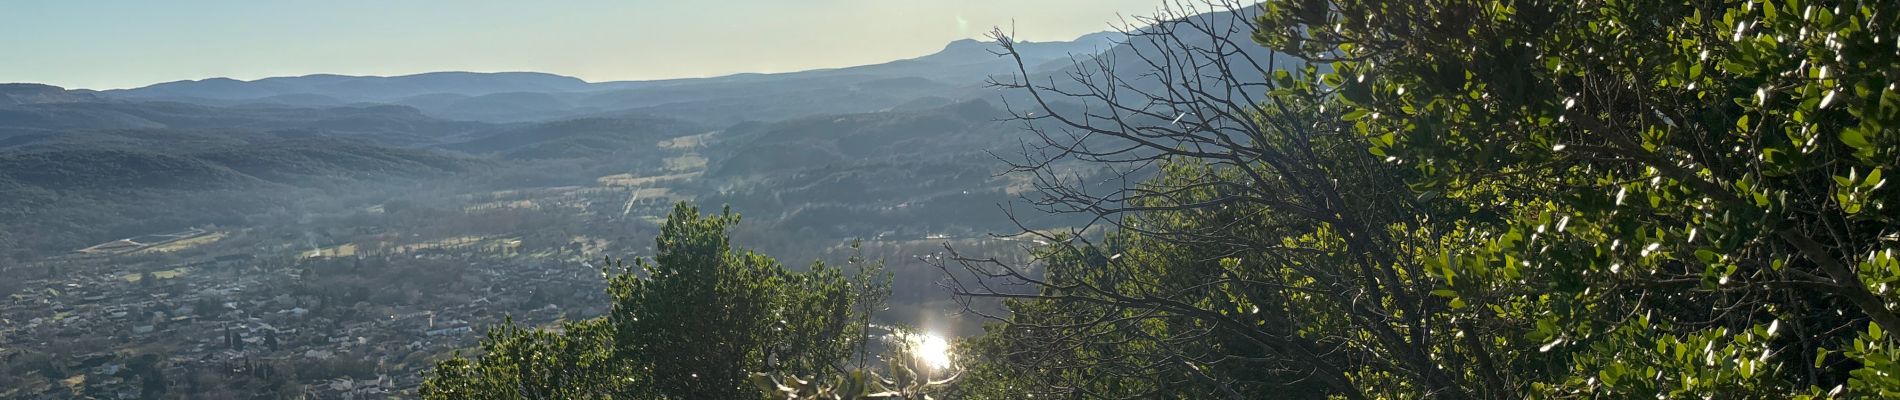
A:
(117, 44)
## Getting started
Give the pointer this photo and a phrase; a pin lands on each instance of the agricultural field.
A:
(630, 179)
(688, 162)
(687, 142)
(185, 243)
(344, 250)
(157, 242)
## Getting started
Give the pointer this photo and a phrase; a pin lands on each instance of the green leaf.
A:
(1707, 256)
(1354, 115)
(1854, 138)
(1357, 93)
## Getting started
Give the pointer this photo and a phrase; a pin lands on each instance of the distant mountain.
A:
(33, 93)
(495, 107)
(974, 60)
(380, 124)
(354, 88)
(958, 70)
(1229, 31)
(843, 151)
(969, 62)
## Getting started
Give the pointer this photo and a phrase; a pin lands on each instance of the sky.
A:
(120, 44)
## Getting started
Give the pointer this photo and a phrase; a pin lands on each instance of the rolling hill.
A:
(381, 124)
(957, 70)
(353, 88)
(903, 143)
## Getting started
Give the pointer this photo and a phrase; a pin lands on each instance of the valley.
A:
(273, 239)
(1342, 199)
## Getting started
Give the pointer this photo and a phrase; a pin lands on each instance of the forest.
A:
(1346, 199)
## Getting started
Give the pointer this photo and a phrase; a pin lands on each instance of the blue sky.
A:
(118, 44)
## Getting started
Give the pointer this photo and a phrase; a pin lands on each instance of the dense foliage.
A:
(1476, 199)
(695, 321)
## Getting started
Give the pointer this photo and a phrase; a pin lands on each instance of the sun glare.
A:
(933, 350)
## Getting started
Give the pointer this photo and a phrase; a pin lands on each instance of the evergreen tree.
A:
(696, 321)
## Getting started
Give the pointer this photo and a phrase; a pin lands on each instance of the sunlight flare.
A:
(931, 349)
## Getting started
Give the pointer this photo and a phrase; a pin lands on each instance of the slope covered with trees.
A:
(695, 321)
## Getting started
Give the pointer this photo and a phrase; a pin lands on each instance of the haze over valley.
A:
(934, 199)
(362, 227)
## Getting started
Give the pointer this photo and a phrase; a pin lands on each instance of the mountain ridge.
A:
(959, 66)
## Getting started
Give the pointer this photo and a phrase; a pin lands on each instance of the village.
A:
(130, 319)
